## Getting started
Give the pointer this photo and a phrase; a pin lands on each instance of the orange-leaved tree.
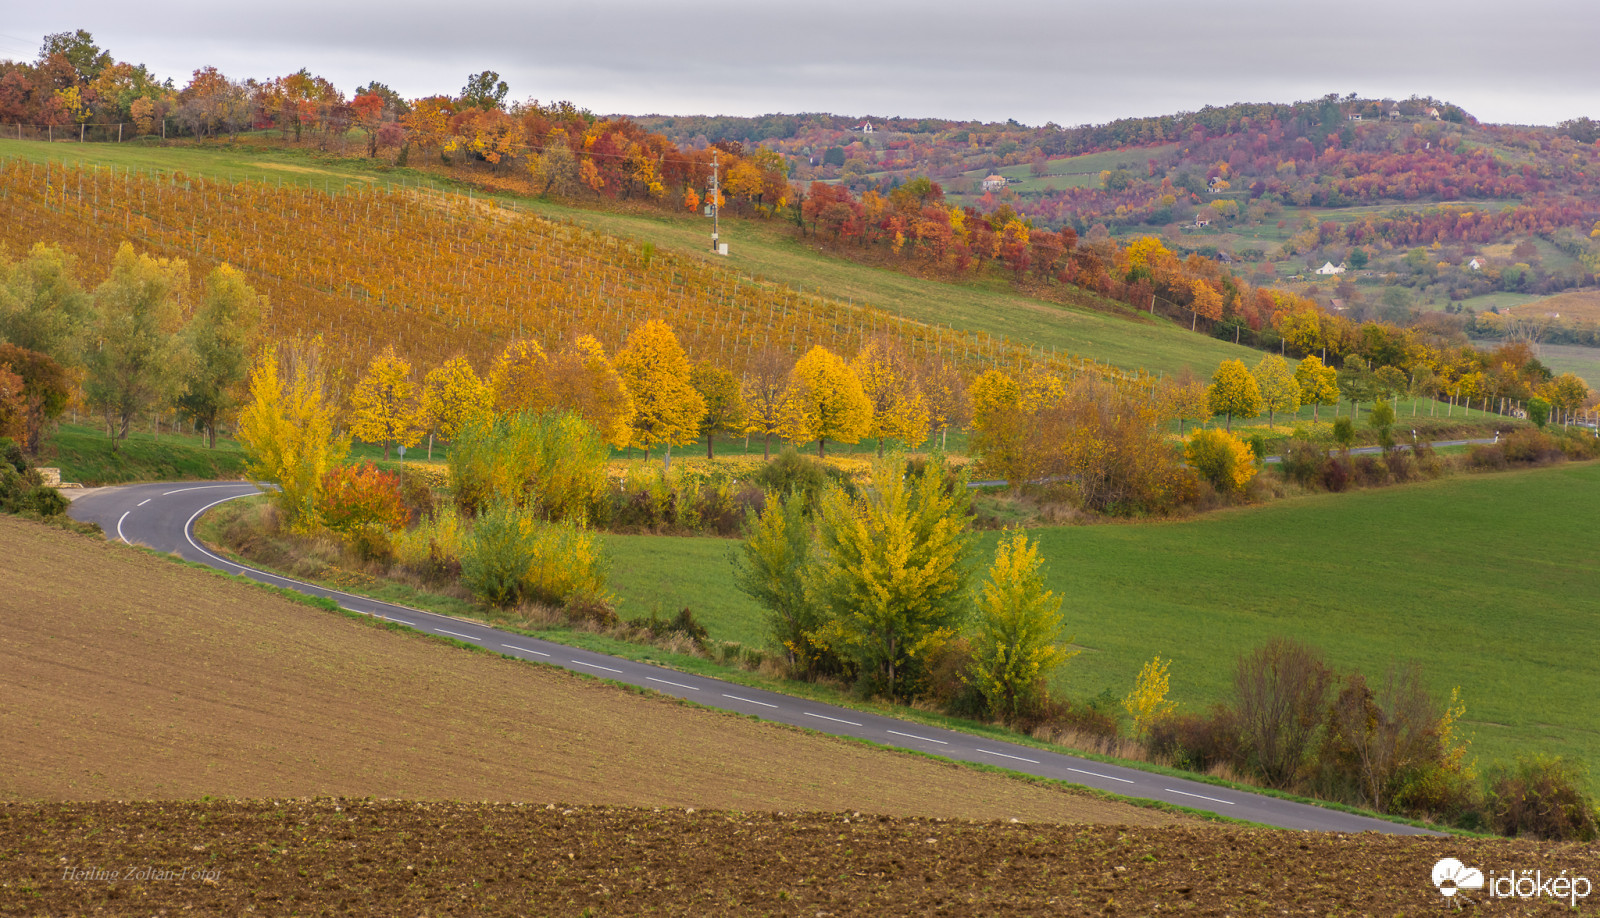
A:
(520, 378)
(583, 379)
(667, 409)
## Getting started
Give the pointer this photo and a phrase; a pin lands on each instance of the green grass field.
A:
(1487, 581)
(1571, 358)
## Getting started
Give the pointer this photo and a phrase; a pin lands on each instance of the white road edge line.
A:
(834, 719)
(526, 649)
(925, 739)
(1097, 774)
(1200, 796)
(673, 684)
(119, 526)
(145, 501)
(204, 487)
(464, 637)
(748, 700)
(596, 666)
(1007, 756)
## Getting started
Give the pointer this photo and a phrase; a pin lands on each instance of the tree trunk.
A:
(430, 446)
(385, 450)
(211, 435)
(766, 447)
(1230, 422)
(666, 459)
(709, 439)
(820, 441)
(880, 447)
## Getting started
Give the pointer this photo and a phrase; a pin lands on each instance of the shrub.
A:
(433, 546)
(511, 556)
(356, 497)
(596, 610)
(1374, 738)
(1542, 797)
(1486, 457)
(1197, 742)
(1280, 693)
(1335, 475)
(947, 685)
(1221, 459)
(1093, 717)
(1344, 432)
(683, 623)
(1369, 471)
(1302, 461)
(793, 473)
(1530, 447)
(1579, 444)
(1441, 794)
(552, 464)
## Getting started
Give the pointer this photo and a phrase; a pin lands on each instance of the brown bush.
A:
(1530, 447)
(1541, 797)
(1580, 444)
(1197, 742)
(1335, 476)
(1280, 696)
(1373, 738)
(1369, 471)
(590, 609)
(1486, 457)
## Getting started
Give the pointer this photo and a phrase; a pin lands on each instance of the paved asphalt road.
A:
(162, 516)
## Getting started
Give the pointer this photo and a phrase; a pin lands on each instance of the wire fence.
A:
(99, 132)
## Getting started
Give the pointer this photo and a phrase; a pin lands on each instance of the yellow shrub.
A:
(1222, 459)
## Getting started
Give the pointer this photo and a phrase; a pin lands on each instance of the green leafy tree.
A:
(42, 307)
(1016, 640)
(1538, 411)
(1233, 392)
(1279, 389)
(892, 572)
(771, 567)
(1356, 383)
(485, 90)
(552, 464)
(221, 336)
(136, 355)
(1344, 433)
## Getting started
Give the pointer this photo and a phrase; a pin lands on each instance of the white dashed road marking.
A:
(673, 684)
(1005, 756)
(1097, 774)
(748, 700)
(1200, 796)
(925, 739)
(834, 719)
(526, 649)
(596, 666)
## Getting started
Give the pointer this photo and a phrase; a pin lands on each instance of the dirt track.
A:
(393, 858)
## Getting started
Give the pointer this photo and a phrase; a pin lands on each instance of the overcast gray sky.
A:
(1530, 62)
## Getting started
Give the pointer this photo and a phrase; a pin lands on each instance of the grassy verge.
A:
(87, 456)
(211, 526)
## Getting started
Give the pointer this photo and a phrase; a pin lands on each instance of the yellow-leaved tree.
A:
(383, 407)
(725, 411)
(1233, 392)
(891, 572)
(520, 378)
(1319, 385)
(824, 401)
(287, 429)
(1184, 397)
(583, 379)
(765, 384)
(1279, 389)
(946, 394)
(890, 384)
(452, 393)
(1016, 642)
(1148, 703)
(1222, 459)
(667, 409)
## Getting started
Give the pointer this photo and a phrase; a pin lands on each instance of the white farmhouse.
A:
(1329, 268)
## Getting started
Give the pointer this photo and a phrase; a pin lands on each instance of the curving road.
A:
(162, 516)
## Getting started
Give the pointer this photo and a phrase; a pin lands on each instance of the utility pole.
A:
(715, 218)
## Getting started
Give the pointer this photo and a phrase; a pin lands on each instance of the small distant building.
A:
(1394, 113)
(866, 128)
(1434, 114)
(1201, 221)
(994, 183)
(1329, 268)
(1475, 265)
(1355, 116)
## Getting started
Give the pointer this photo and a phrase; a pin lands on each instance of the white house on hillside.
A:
(1328, 268)
(994, 183)
(1475, 265)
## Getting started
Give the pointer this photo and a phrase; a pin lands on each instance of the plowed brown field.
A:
(125, 677)
(392, 858)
